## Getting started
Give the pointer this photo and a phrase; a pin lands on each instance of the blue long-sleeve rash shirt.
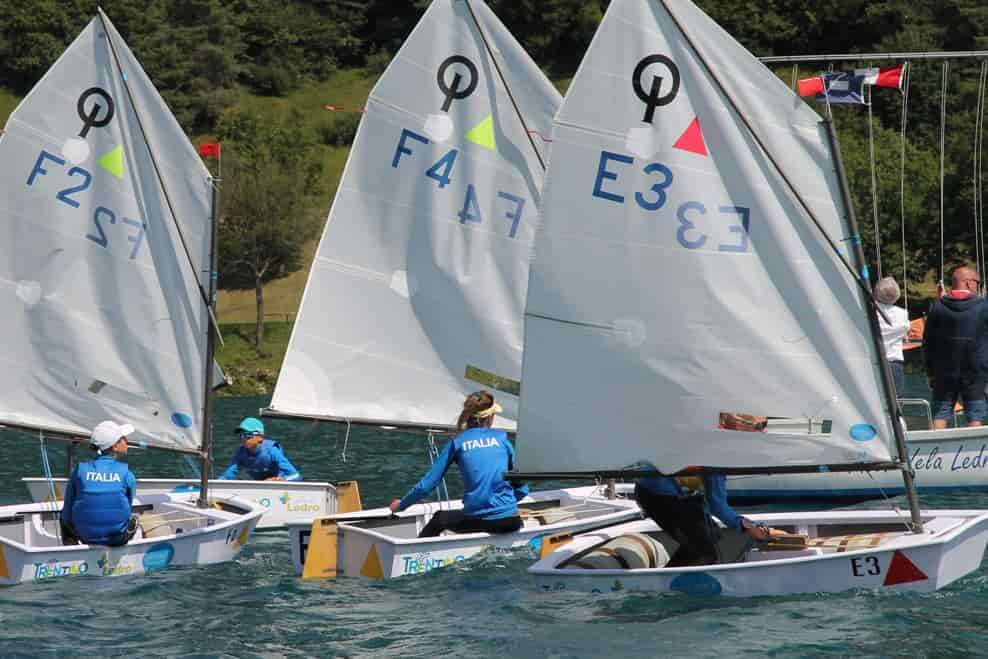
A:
(482, 455)
(714, 494)
(266, 462)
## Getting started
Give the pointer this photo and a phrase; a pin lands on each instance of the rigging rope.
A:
(433, 455)
(979, 219)
(943, 135)
(902, 182)
(346, 441)
(874, 186)
(46, 467)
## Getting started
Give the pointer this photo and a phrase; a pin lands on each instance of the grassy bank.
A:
(254, 372)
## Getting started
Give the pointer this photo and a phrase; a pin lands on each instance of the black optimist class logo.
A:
(654, 97)
(453, 91)
(92, 117)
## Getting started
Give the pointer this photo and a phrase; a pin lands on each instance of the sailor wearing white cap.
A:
(98, 496)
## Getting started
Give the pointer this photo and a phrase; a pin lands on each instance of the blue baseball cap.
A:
(251, 425)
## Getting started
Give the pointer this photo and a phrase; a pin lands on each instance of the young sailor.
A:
(682, 507)
(490, 503)
(98, 496)
(263, 458)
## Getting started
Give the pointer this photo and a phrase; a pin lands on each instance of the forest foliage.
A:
(202, 54)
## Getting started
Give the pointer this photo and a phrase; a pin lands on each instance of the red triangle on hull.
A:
(902, 570)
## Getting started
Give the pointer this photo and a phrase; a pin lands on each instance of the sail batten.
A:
(686, 269)
(416, 294)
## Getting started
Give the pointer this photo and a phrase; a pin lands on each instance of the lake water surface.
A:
(255, 607)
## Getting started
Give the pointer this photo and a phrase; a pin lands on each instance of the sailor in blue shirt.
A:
(490, 503)
(683, 507)
(97, 505)
(263, 458)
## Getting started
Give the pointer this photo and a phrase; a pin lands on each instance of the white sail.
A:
(103, 316)
(675, 276)
(416, 294)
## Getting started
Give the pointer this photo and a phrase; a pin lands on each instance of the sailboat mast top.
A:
(511, 97)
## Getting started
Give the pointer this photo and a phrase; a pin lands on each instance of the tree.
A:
(270, 175)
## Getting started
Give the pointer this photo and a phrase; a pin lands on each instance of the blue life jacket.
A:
(714, 493)
(482, 455)
(266, 462)
(97, 500)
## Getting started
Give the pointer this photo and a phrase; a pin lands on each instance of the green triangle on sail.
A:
(112, 161)
(483, 133)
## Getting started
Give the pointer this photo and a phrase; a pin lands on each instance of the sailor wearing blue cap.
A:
(263, 458)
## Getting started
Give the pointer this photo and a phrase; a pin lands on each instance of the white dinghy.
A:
(713, 205)
(106, 311)
(281, 501)
(175, 531)
(379, 545)
(416, 294)
(953, 460)
(863, 549)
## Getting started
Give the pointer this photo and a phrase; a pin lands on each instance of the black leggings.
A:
(456, 521)
(686, 520)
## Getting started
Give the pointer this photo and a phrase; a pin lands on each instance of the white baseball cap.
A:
(108, 433)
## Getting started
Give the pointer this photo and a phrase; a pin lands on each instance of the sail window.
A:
(745, 422)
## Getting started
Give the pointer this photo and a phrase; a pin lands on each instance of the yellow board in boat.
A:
(320, 559)
(348, 497)
(4, 572)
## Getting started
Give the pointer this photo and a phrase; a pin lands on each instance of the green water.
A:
(486, 607)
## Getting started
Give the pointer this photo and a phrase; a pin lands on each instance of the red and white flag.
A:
(889, 76)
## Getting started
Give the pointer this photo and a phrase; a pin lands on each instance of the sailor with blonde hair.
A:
(483, 454)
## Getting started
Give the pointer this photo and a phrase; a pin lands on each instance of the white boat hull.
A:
(385, 547)
(951, 460)
(282, 501)
(951, 547)
(31, 551)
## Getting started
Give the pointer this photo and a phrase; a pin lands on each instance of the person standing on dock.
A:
(894, 323)
(955, 345)
(263, 458)
(483, 454)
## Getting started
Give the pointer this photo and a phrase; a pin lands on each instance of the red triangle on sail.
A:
(902, 570)
(692, 139)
